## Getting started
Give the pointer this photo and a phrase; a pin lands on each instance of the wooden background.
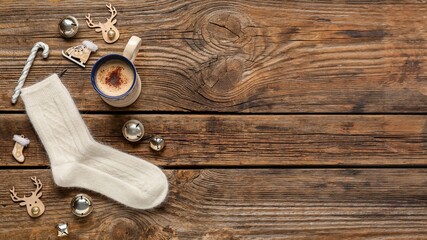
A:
(283, 119)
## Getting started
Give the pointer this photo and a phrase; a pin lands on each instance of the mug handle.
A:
(132, 48)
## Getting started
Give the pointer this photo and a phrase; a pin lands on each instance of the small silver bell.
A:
(81, 205)
(157, 143)
(68, 27)
(62, 229)
(133, 130)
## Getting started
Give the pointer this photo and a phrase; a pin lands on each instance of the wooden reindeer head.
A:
(35, 206)
(109, 31)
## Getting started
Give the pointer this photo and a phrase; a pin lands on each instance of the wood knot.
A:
(228, 42)
(224, 27)
(155, 232)
(224, 74)
(125, 228)
(119, 228)
(223, 30)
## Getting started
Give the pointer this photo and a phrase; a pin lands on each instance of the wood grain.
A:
(250, 140)
(224, 82)
(238, 56)
(238, 204)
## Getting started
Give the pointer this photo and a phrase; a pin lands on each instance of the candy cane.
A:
(27, 67)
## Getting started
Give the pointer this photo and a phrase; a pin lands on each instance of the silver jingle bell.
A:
(81, 205)
(133, 130)
(157, 143)
(68, 27)
(62, 229)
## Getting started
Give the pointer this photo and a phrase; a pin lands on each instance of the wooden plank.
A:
(239, 56)
(238, 204)
(230, 140)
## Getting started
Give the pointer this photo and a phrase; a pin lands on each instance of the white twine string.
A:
(27, 67)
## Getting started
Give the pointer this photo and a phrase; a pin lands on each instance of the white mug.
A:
(127, 59)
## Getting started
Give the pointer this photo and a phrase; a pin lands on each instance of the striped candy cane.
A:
(27, 67)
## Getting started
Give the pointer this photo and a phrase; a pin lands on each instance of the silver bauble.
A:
(133, 130)
(157, 143)
(81, 205)
(68, 27)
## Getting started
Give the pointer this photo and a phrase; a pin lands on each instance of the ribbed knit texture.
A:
(77, 160)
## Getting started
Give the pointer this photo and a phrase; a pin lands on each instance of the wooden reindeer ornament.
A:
(109, 31)
(35, 206)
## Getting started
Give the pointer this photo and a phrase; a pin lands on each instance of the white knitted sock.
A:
(77, 160)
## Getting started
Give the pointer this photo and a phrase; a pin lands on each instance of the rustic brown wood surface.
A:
(239, 204)
(230, 140)
(283, 119)
(243, 56)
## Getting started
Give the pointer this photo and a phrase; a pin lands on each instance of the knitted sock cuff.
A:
(43, 91)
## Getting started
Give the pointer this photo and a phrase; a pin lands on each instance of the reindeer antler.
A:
(38, 185)
(112, 10)
(89, 22)
(14, 197)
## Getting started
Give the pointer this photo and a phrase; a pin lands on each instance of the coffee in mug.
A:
(114, 78)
